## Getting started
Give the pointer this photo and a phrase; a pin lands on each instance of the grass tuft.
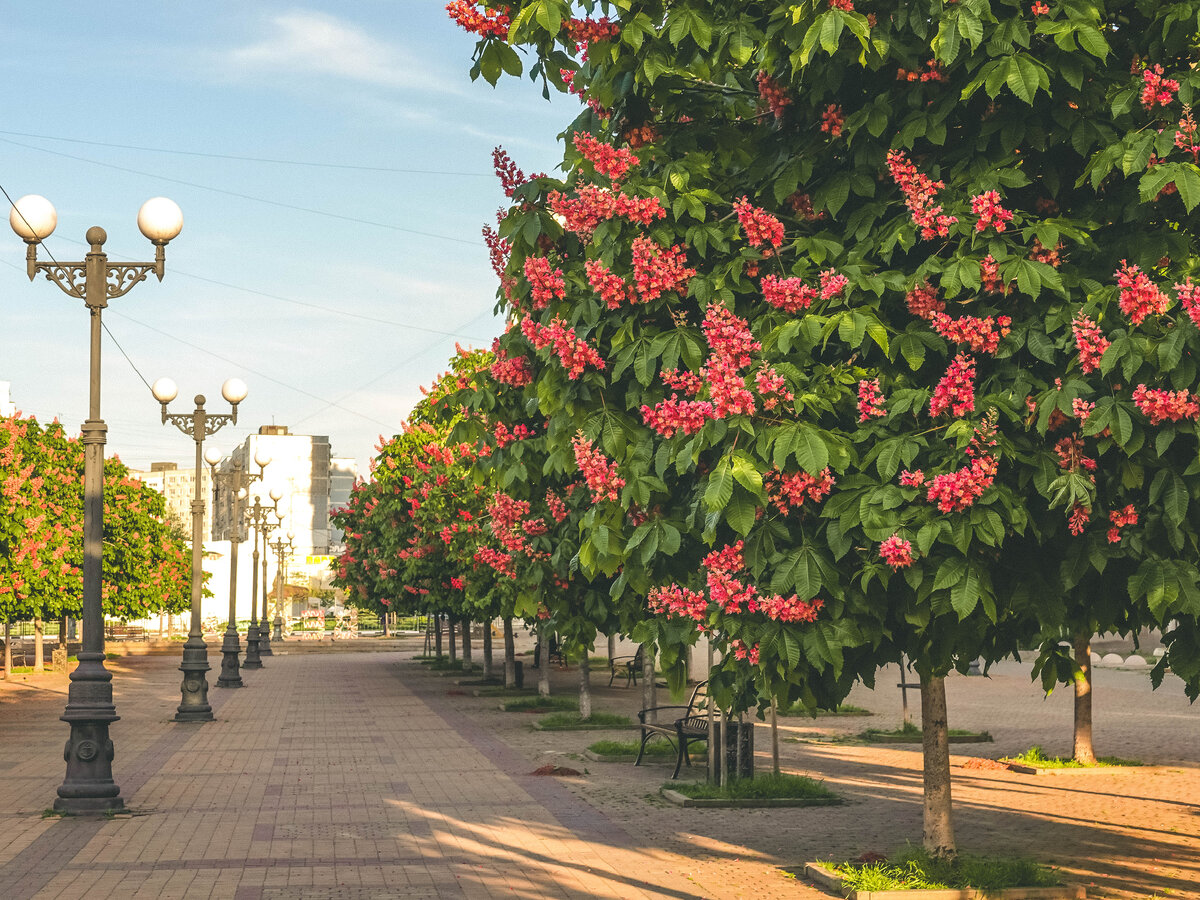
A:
(1036, 756)
(761, 787)
(571, 719)
(654, 748)
(540, 704)
(913, 868)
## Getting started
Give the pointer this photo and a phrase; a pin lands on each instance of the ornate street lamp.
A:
(89, 787)
(258, 515)
(281, 547)
(237, 482)
(198, 425)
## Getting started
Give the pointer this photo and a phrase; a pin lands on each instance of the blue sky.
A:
(334, 290)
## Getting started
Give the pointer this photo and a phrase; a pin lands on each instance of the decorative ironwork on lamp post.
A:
(237, 482)
(198, 424)
(89, 787)
(257, 514)
(281, 548)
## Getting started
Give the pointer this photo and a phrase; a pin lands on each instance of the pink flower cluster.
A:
(981, 334)
(1078, 519)
(759, 225)
(923, 302)
(956, 390)
(687, 382)
(499, 560)
(599, 471)
(1189, 296)
(1165, 406)
(1139, 295)
(991, 213)
(498, 250)
(772, 387)
(558, 509)
(775, 96)
(989, 274)
(1119, 519)
(1186, 137)
(587, 31)
(740, 650)
(870, 400)
(731, 594)
(574, 353)
(546, 283)
(1081, 409)
(1071, 456)
(675, 600)
(789, 491)
(832, 120)
(605, 159)
(915, 478)
(919, 191)
(1090, 341)
(832, 284)
(789, 294)
(958, 490)
(1157, 90)
(486, 23)
(610, 286)
(731, 343)
(504, 436)
(896, 552)
(594, 204)
(511, 370)
(674, 415)
(658, 270)
(510, 176)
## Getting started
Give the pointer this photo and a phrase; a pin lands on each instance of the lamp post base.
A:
(89, 788)
(264, 639)
(278, 635)
(230, 676)
(253, 660)
(194, 704)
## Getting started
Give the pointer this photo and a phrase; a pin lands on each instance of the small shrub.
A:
(540, 704)
(573, 719)
(762, 787)
(913, 868)
(654, 748)
(1036, 756)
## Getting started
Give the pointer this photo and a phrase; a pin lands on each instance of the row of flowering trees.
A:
(146, 566)
(869, 329)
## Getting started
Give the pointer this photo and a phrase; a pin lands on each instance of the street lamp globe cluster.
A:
(88, 787)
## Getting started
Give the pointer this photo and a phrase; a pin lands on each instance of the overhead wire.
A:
(238, 194)
(257, 159)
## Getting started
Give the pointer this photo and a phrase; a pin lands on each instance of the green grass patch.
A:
(914, 869)
(761, 787)
(654, 748)
(540, 704)
(568, 719)
(1036, 756)
(500, 690)
(909, 730)
(844, 709)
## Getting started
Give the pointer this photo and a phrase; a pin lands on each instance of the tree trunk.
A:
(543, 661)
(170, 625)
(487, 649)
(7, 649)
(1083, 751)
(712, 723)
(386, 623)
(585, 686)
(648, 691)
(62, 631)
(774, 736)
(39, 648)
(510, 656)
(612, 647)
(939, 826)
(466, 644)
(453, 642)
(437, 635)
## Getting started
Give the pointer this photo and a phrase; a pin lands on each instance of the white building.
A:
(7, 407)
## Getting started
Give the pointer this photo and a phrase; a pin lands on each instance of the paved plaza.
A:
(342, 773)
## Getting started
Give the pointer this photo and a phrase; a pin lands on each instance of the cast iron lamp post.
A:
(198, 424)
(257, 514)
(89, 787)
(268, 528)
(237, 482)
(281, 547)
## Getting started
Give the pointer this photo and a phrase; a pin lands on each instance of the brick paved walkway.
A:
(361, 775)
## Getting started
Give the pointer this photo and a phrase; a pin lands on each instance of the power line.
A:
(257, 159)
(215, 190)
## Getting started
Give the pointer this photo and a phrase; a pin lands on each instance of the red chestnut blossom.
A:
(497, 559)
(1081, 409)
(547, 283)
(760, 226)
(731, 343)
(588, 31)
(1189, 296)
(896, 552)
(1079, 519)
(919, 191)
(775, 96)
(991, 213)
(870, 400)
(989, 274)
(1120, 518)
(1166, 406)
(686, 382)
(788, 294)
(843, 5)
(1139, 295)
(1157, 90)
(982, 335)
(672, 415)
(915, 478)
(558, 509)
(599, 472)
(956, 390)
(610, 286)
(788, 492)
(510, 370)
(772, 387)
(923, 301)
(958, 490)
(740, 650)
(790, 609)
(605, 159)
(504, 436)
(1186, 137)
(832, 284)
(510, 176)
(594, 204)
(1039, 8)
(1091, 342)
(832, 120)
(1071, 457)
(486, 23)
(658, 270)
(574, 353)
(678, 601)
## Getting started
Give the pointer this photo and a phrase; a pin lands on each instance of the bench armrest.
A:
(642, 713)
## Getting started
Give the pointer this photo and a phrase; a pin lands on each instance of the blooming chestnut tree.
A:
(883, 310)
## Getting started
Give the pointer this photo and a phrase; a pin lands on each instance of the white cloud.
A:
(304, 42)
